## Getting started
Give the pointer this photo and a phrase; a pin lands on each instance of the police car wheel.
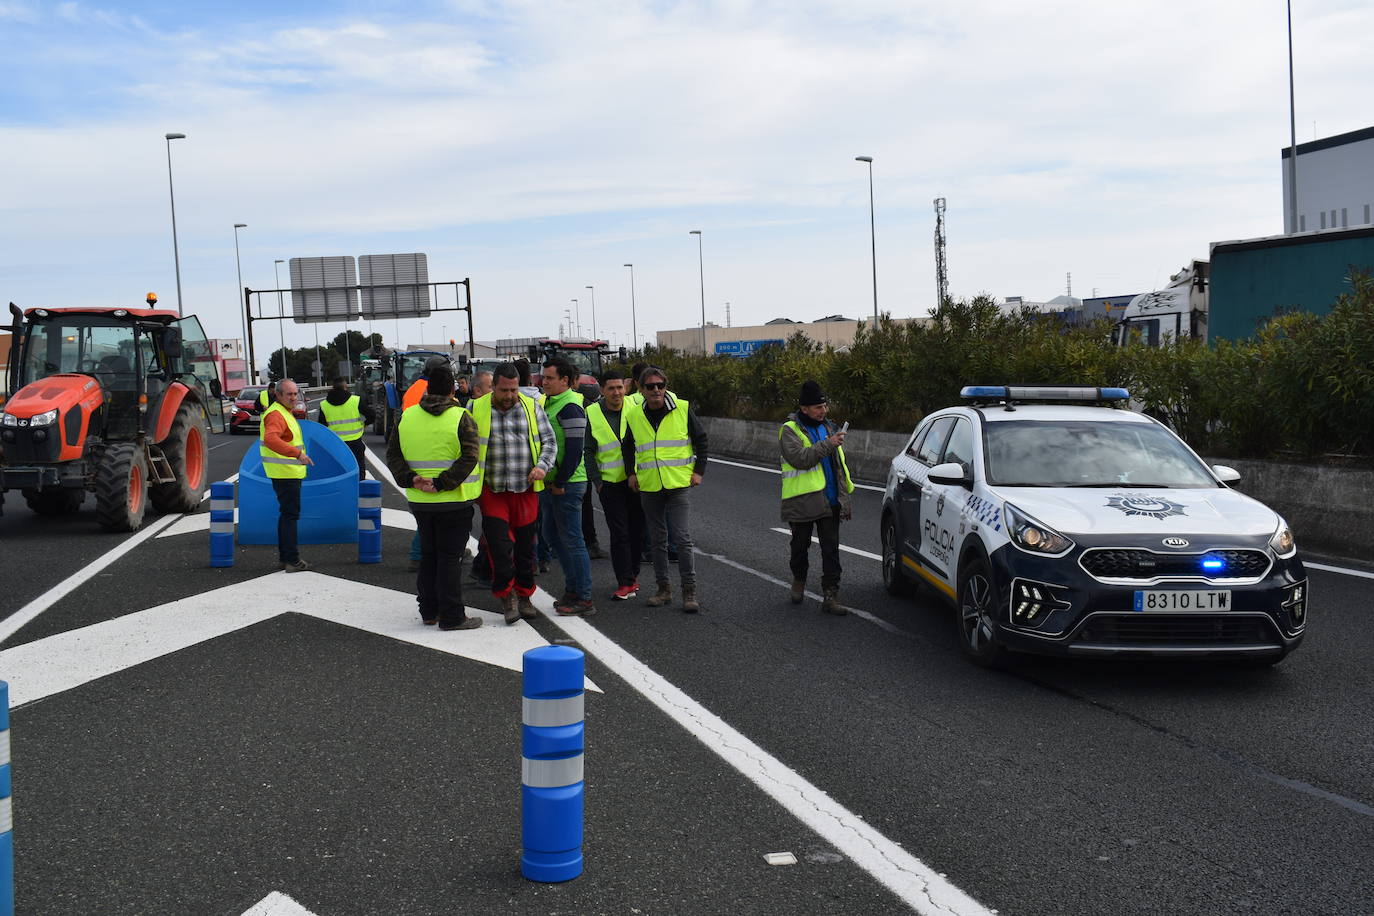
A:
(976, 612)
(894, 580)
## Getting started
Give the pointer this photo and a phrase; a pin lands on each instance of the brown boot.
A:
(831, 602)
(664, 595)
(798, 590)
(510, 604)
(689, 599)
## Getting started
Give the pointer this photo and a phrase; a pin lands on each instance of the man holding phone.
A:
(816, 489)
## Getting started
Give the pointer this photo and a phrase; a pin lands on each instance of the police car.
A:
(1058, 523)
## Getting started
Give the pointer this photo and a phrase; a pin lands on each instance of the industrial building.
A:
(1335, 183)
(833, 331)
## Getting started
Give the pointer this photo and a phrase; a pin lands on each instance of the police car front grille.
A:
(1163, 630)
(1138, 563)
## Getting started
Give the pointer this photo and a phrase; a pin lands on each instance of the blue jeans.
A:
(561, 518)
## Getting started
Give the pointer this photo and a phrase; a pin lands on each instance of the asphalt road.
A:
(363, 774)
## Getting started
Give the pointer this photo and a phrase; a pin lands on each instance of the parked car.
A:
(247, 417)
(1057, 523)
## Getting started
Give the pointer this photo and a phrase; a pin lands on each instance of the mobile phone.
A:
(845, 428)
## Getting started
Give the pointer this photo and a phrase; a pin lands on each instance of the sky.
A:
(537, 147)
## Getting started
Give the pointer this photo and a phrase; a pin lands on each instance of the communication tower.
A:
(941, 268)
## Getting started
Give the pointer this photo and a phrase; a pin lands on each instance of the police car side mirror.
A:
(1225, 474)
(951, 472)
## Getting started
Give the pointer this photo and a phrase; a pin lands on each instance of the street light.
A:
(701, 273)
(176, 253)
(578, 309)
(872, 234)
(634, 330)
(238, 265)
(593, 289)
(281, 311)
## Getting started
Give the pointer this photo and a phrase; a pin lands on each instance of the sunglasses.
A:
(653, 386)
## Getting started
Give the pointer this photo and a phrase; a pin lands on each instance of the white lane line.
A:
(846, 548)
(759, 467)
(919, 886)
(1339, 569)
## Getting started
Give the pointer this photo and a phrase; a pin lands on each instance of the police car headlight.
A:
(1283, 543)
(1032, 536)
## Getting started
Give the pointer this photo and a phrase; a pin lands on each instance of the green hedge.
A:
(1303, 386)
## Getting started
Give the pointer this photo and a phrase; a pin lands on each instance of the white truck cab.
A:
(1173, 313)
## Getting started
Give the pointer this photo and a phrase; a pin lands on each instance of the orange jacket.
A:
(417, 390)
(277, 437)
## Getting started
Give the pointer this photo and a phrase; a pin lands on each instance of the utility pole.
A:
(941, 268)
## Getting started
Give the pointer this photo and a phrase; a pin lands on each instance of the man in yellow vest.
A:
(347, 416)
(665, 444)
(606, 471)
(282, 449)
(434, 453)
(266, 396)
(815, 492)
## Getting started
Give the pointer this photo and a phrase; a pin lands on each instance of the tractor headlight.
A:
(8, 419)
(1030, 535)
(46, 418)
(1282, 543)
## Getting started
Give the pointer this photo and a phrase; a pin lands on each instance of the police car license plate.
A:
(1172, 600)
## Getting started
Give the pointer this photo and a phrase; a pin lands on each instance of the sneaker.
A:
(526, 608)
(468, 623)
(626, 592)
(298, 566)
(583, 608)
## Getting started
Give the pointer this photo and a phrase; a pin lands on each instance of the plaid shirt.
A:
(508, 449)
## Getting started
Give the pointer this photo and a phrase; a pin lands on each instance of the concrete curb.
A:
(1330, 509)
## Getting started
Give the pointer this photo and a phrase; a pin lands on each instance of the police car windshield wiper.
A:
(1125, 486)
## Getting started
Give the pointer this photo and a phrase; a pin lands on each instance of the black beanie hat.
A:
(811, 394)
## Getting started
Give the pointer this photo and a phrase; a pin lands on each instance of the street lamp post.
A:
(634, 329)
(593, 289)
(701, 274)
(238, 265)
(1292, 131)
(872, 233)
(281, 312)
(577, 309)
(176, 253)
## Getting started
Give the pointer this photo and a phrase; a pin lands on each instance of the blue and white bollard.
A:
(551, 771)
(369, 521)
(221, 524)
(6, 812)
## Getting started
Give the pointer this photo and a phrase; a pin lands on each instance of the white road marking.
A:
(759, 467)
(277, 904)
(200, 522)
(67, 660)
(1339, 569)
(846, 548)
(909, 878)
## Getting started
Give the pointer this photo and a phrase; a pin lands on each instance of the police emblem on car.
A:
(1100, 533)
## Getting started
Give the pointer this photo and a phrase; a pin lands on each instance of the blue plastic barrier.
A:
(369, 521)
(552, 789)
(222, 524)
(6, 811)
(329, 493)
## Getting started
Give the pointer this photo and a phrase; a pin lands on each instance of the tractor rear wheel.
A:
(121, 488)
(55, 500)
(187, 452)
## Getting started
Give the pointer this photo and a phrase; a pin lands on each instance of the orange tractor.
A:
(112, 401)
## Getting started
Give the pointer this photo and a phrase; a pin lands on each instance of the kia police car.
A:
(1058, 523)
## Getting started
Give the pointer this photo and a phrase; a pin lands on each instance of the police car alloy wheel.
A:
(1056, 523)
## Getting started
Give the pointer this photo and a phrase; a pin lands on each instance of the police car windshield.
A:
(1079, 453)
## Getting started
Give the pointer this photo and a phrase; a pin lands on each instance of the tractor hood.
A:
(60, 392)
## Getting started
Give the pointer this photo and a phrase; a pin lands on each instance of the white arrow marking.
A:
(48, 666)
(277, 904)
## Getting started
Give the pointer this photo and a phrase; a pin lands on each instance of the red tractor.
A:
(108, 400)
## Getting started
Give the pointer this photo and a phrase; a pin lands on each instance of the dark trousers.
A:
(588, 518)
(625, 520)
(356, 447)
(439, 583)
(288, 492)
(510, 523)
(828, 533)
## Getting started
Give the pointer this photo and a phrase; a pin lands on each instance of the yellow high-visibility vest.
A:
(276, 465)
(344, 420)
(481, 412)
(430, 445)
(609, 461)
(663, 456)
(796, 482)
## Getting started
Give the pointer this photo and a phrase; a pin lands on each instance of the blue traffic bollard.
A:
(6, 811)
(369, 521)
(551, 771)
(222, 524)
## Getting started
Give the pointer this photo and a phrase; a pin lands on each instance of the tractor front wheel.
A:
(121, 488)
(188, 454)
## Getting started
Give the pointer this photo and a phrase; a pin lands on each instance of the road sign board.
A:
(742, 347)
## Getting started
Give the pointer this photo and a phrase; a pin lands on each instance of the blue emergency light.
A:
(1213, 564)
(1043, 393)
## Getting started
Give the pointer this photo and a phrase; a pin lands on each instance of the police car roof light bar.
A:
(1012, 393)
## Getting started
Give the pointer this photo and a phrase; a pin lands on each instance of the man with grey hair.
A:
(481, 383)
